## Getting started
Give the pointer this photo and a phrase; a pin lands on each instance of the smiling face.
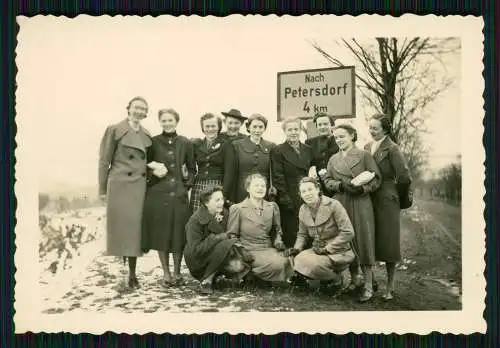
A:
(256, 128)
(309, 193)
(257, 188)
(323, 125)
(343, 138)
(376, 130)
(216, 203)
(292, 132)
(137, 110)
(211, 127)
(233, 125)
(168, 122)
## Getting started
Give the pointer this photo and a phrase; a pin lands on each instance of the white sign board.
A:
(305, 93)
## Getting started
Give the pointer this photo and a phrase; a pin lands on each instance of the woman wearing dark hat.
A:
(166, 208)
(233, 121)
(252, 154)
(122, 182)
(323, 146)
(353, 174)
(394, 173)
(215, 160)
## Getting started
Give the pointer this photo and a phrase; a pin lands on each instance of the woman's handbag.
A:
(405, 193)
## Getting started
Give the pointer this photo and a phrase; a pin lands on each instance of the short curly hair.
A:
(255, 117)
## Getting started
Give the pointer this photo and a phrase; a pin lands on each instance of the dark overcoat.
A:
(249, 159)
(393, 171)
(205, 251)
(231, 138)
(359, 208)
(323, 147)
(216, 162)
(288, 168)
(166, 208)
(122, 178)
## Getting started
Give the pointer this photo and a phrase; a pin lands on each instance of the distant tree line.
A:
(445, 185)
(61, 204)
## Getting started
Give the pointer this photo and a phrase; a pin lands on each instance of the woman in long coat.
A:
(291, 162)
(255, 223)
(342, 168)
(209, 250)
(214, 158)
(394, 172)
(122, 182)
(166, 208)
(252, 155)
(324, 221)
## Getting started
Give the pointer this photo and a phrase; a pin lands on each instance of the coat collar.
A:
(267, 211)
(303, 160)
(205, 218)
(323, 214)
(216, 144)
(345, 164)
(382, 150)
(249, 146)
(123, 132)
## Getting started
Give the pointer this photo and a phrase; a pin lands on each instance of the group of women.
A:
(256, 210)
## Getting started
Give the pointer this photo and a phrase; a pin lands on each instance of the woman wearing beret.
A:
(291, 162)
(233, 120)
(252, 155)
(394, 172)
(122, 182)
(342, 168)
(209, 250)
(166, 208)
(214, 158)
(255, 223)
(324, 221)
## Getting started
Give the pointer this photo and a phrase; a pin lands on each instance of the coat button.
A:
(172, 180)
(208, 164)
(129, 174)
(143, 174)
(208, 157)
(206, 172)
(131, 156)
(171, 194)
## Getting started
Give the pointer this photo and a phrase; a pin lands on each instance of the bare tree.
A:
(400, 78)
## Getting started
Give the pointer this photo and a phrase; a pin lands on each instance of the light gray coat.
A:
(122, 178)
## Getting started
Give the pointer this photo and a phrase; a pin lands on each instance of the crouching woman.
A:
(209, 250)
(325, 222)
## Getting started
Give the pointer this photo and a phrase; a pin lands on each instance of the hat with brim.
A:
(234, 113)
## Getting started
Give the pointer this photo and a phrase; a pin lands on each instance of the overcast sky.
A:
(76, 77)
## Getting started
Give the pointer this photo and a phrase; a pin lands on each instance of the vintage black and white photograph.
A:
(318, 168)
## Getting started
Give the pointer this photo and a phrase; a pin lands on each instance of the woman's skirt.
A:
(198, 187)
(270, 265)
(318, 267)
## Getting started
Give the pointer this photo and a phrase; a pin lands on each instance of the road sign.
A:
(304, 93)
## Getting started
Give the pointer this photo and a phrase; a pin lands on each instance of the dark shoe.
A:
(179, 280)
(133, 283)
(205, 289)
(298, 281)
